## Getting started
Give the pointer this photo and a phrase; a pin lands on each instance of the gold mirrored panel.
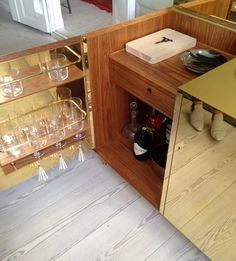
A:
(202, 188)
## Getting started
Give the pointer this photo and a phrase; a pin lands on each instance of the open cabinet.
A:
(108, 78)
(39, 103)
(123, 76)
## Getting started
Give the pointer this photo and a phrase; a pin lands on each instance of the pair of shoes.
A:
(197, 121)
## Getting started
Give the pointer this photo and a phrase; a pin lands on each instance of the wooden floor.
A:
(86, 213)
(202, 188)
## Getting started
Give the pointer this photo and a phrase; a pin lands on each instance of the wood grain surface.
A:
(219, 8)
(86, 213)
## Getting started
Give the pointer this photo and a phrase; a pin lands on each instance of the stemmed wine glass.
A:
(12, 139)
(35, 129)
(56, 130)
(75, 120)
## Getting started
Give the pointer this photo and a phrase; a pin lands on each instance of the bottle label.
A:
(138, 150)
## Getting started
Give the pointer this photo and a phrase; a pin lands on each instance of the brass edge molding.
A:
(229, 25)
(88, 93)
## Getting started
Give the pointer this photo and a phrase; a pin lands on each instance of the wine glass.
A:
(56, 130)
(10, 86)
(63, 93)
(11, 135)
(75, 117)
(55, 122)
(56, 66)
(76, 121)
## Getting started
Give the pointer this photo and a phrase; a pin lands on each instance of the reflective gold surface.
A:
(201, 188)
(216, 88)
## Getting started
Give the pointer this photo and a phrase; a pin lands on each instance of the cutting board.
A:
(161, 45)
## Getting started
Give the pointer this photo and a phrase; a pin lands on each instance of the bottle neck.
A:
(133, 117)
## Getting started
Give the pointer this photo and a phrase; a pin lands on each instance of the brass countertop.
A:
(216, 88)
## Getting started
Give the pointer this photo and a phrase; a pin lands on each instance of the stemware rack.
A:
(41, 68)
(10, 162)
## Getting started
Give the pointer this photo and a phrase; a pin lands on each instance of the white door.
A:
(122, 10)
(44, 15)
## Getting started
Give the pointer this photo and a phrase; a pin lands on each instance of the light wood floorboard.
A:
(86, 213)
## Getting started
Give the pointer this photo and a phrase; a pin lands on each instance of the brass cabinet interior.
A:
(40, 92)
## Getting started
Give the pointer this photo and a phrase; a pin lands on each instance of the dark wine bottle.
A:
(142, 144)
(160, 145)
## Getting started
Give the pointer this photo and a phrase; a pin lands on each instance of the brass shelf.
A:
(44, 70)
(5, 156)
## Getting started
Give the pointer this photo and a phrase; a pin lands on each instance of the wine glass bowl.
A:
(55, 122)
(56, 66)
(76, 114)
(12, 138)
(10, 86)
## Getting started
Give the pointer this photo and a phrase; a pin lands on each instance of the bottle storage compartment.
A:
(119, 151)
(150, 141)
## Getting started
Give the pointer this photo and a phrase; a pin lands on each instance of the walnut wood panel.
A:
(205, 32)
(154, 84)
(106, 41)
(42, 82)
(219, 8)
(100, 45)
(145, 180)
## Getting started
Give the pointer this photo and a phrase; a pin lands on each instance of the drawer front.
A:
(146, 91)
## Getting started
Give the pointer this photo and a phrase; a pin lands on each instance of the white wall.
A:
(147, 6)
(128, 9)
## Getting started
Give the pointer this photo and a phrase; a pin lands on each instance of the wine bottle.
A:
(154, 120)
(142, 144)
(160, 146)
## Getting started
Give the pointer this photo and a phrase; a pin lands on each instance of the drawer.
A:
(142, 88)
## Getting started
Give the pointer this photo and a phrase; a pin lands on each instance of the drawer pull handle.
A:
(149, 90)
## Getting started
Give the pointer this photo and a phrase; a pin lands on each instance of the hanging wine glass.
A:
(36, 132)
(56, 130)
(76, 120)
